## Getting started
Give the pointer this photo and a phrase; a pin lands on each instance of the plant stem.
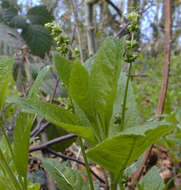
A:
(86, 164)
(125, 98)
(115, 181)
(121, 186)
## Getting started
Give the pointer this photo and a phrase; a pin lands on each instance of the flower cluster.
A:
(132, 44)
(62, 41)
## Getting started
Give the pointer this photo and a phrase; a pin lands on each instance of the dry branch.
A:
(51, 142)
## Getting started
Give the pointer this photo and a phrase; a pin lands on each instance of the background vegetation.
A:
(55, 52)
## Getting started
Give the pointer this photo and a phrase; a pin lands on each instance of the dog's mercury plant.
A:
(99, 91)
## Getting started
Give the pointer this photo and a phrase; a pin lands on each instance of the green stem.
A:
(121, 186)
(125, 98)
(115, 181)
(113, 184)
(86, 164)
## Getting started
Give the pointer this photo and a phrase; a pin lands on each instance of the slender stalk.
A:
(125, 98)
(121, 186)
(86, 164)
(54, 91)
(113, 186)
(115, 181)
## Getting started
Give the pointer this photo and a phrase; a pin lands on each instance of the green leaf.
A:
(56, 115)
(39, 15)
(9, 173)
(35, 88)
(18, 21)
(38, 39)
(132, 115)
(104, 76)
(80, 91)
(83, 120)
(66, 178)
(63, 68)
(5, 77)
(95, 94)
(123, 149)
(178, 115)
(5, 150)
(9, 13)
(21, 144)
(152, 180)
(4, 185)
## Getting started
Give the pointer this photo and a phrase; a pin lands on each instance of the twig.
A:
(32, 134)
(123, 30)
(75, 12)
(53, 74)
(75, 160)
(115, 7)
(39, 129)
(139, 172)
(144, 10)
(165, 75)
(51, 142)
(54, 91)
